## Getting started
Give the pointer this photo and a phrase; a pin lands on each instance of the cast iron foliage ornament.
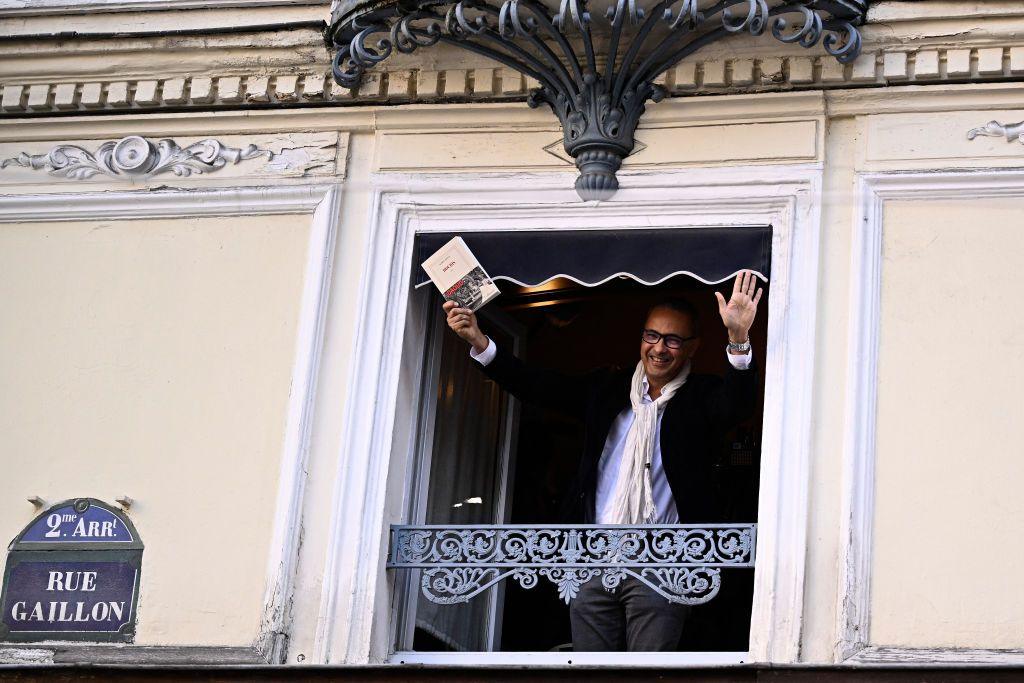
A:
(680, 562)
(596, 76)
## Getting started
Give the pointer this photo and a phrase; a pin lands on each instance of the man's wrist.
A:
(738, 345)
(487, 355)
(738, 337)
(480, 345)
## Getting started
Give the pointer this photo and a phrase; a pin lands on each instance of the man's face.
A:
(660, 362)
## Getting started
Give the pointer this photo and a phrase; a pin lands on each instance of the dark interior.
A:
(576, 329)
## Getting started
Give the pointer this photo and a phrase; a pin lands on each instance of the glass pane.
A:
(464, 488)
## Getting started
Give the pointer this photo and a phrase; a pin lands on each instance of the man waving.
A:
(650, 439)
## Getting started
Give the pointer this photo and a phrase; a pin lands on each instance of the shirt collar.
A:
(646, 386)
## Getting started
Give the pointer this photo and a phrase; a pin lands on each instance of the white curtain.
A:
(464, 486)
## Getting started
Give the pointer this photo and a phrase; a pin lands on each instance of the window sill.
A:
(567, 659)
(122, 654)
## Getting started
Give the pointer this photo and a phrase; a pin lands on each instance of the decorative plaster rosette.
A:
(137, 158)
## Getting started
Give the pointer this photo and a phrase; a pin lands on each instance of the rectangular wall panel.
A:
(947, 562)
(152, 359)
(656, 146)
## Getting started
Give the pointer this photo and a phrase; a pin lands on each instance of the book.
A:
(459, 276)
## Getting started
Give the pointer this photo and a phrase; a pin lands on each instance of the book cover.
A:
(459, 276)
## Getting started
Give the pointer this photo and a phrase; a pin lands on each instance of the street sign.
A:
(73, 574)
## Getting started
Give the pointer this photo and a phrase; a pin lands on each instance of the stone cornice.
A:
(235, 126)
(313, 86)
(909, 43)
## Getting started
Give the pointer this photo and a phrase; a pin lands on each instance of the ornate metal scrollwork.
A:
(598, 99)
(682, 563)
(136, 157)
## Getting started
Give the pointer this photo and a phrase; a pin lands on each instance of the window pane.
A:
(464, 486)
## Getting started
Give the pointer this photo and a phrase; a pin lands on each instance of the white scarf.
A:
(633, 498)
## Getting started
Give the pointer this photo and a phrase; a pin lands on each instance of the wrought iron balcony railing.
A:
(681, 562)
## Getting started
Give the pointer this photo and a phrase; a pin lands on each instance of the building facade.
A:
(207, 260)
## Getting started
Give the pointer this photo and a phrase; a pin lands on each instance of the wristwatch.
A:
(733, 347)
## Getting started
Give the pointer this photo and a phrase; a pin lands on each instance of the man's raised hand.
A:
(738, 313)
(463, 323)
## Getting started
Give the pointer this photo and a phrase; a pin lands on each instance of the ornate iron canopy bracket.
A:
(680, 562)
(596, 76)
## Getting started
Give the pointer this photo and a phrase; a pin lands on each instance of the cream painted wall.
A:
(152, 359)
(950, 450)
(202, 412)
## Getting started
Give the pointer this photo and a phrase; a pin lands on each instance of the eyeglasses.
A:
(671, 341)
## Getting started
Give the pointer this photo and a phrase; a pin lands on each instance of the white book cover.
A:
(459, 276)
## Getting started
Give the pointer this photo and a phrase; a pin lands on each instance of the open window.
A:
(484, 460)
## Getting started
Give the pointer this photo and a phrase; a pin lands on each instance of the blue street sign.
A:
(73, 574)
(49, 596)
(66, 524)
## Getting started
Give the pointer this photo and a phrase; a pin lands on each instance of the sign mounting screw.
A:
(37, 501)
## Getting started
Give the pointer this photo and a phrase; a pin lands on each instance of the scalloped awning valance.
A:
(592, 257)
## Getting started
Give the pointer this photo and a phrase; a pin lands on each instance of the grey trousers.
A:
(632, 618)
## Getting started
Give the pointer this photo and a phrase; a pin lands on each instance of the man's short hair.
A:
(679, 305)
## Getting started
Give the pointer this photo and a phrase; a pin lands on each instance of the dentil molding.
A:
(484, 82)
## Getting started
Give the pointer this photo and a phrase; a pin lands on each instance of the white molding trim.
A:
(233, 201)
(936, 657)
(284, 545)
(323, 203)
(853, 618)
(27, 8)
(787, 197)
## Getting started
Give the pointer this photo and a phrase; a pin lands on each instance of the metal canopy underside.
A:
(595, 67)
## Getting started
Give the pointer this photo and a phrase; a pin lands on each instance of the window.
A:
(380, 433)
(484, 459)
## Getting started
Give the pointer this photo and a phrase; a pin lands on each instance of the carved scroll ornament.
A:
(136, 158)
(993, 129)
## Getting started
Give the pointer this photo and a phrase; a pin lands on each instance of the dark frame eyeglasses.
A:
(672, 341)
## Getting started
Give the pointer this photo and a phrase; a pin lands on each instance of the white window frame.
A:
(355, 609)
(853, 610)
(322, 204)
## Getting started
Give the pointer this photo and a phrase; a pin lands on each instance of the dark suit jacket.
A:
(692, 426)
